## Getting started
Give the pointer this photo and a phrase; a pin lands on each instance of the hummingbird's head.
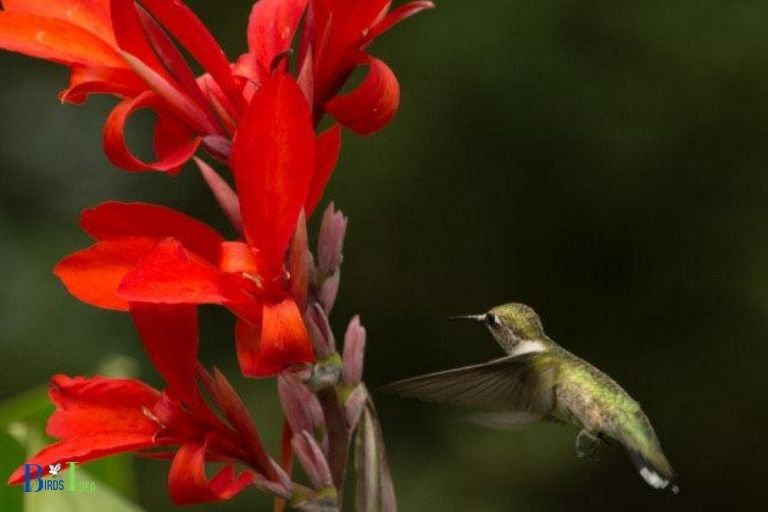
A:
(515, 321)
(511, 323)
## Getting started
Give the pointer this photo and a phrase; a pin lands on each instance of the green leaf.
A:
(32, 407)
(13, 452)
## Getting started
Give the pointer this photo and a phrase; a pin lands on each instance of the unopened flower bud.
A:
(276, 488)
(328, 291)
(300, 406)
(320, 331)
(354, 405)
(354, 351)
(312, 460)
(331, 240)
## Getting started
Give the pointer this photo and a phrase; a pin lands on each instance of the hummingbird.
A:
(540, 380)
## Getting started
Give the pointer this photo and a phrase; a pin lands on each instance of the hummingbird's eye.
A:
(492, 320)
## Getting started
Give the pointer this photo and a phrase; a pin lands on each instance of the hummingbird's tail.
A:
(658, 476)
(645, 451)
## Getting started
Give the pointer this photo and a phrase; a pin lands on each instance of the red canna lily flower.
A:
(98, 417)
(124, 48)
(148, 254)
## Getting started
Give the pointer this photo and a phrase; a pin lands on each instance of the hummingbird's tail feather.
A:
(658, 477)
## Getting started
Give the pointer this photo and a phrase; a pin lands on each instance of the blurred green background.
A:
(603, 161)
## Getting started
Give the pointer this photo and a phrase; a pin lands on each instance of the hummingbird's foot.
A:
(586, 444)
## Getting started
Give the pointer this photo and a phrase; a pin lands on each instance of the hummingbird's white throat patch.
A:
(527, 347)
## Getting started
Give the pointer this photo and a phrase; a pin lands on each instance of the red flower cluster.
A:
(259, 119)
(97, 417)
(127, 48)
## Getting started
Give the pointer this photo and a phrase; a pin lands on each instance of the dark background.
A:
(603, 161)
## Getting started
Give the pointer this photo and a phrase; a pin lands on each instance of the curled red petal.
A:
(169, 335)
(272, 174)
(173, 138)
(85, 80)
(327, 148)
(170, 274)
(280, 342)
(54, 40)
(188, 484)
(372, 104)
(115, 219)
(94, 274)
(121, 156)
(271, 28)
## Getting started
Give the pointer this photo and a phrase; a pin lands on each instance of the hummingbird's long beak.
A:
(476, 318)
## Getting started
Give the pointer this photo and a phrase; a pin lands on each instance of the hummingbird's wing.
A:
(523, 383)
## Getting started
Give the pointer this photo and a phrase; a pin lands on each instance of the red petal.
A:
(188, 484)
(350, 19)
(327, 147)
(272, 159)
(187, 28)
(55, 40)
(299, 262)
(271, 28)
(169, 274)
(397, 15)
(280, 342)
(85, 448)
(130, 35)
(236, 412)
(85, 80)
(238, 257)
(115, 145)
(114, 219)
(100, 405)
(93, 275)
(248, 342)
(92, 15)
(372, 105)
(224, 194)
(172, 138)
(169, 335)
